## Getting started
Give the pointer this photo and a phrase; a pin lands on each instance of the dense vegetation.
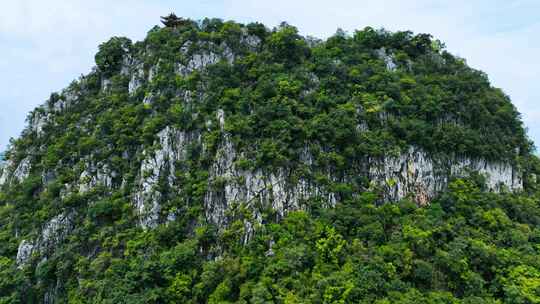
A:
(467, 247)
(349, 98)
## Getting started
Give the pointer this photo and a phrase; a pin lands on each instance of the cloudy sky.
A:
(46, 44)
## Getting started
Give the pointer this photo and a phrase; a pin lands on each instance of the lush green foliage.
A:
(467, 247)
(344, 100)
(110, 55)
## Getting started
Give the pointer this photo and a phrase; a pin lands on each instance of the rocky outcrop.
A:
(251, 41)
(24, 252)
(38, 120)
(160, 165)
(53, 233)
(499, 175)
(256, 190)
(23, 169)
(93, 176)
(55, 105)
(137, 77)
(388, 59)
(230, 185)
(421, 176)
(210, 54)
(4, 171)
(11, 171)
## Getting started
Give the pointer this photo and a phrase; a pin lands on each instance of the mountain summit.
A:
(217, 162)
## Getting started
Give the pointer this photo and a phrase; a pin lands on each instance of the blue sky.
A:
(44, 45)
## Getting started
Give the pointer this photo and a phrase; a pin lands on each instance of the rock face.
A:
(52, 233)
(387, 58)
(9, 171)
(211, 54)
(137, 78)
(4, 171)
(95, 175)
(24, 252)
(160, 165)
(231, 186)
(415, 173)
(499, 175)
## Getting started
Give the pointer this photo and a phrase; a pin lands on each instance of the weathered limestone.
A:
(255, 189)
(38, 120)
(499, 175)
(105, 84)
(23, 169)
(204, 58)
(388, 59)
(137, 78)
(173, 147)
(251, 41)
(230, 185)
(52, 234)
(24, 252)
(416, 173)
(413, 173)
(93, 176)
(4, 171)
(11, 171)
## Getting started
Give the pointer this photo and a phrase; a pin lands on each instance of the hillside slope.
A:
(220, 162)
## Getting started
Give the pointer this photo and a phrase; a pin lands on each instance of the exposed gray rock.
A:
(93, 176)
(499, 175)
(23, 169)
(411, 173)
(255, 188)
(202, 59)
(50, 295)
(418, 174)
(43, 114)
(251, 40)
(127, 62)
(197, 62)
(53, 233)
(388, 59)
(105, 84)
(173, 147)
(152, 72)
(67, 99)
(5, 167)
(148, 99)
(137, 78)
(38, 120)
(230, 185)
(221, 118)
(186, 47)
(24, 252)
